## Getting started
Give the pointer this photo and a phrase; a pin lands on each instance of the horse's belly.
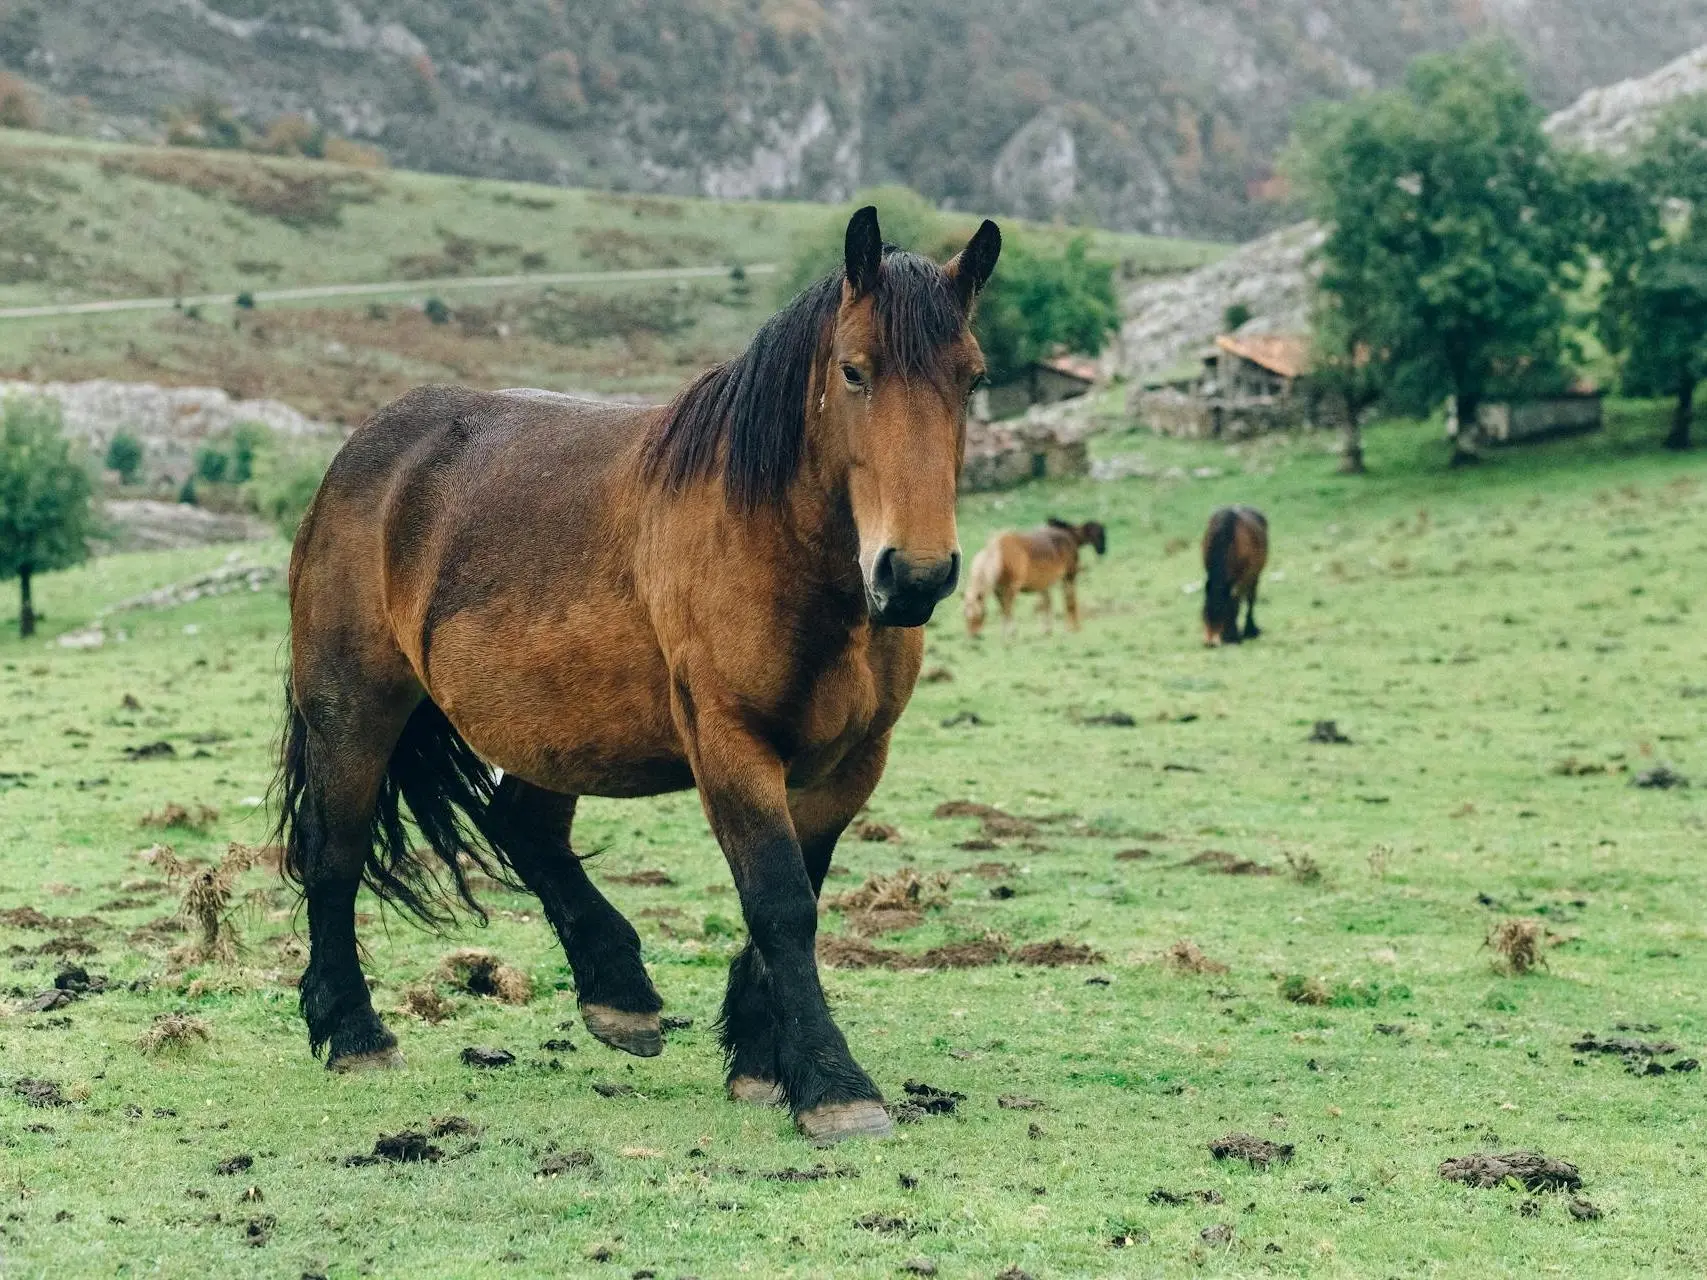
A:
(571, 715)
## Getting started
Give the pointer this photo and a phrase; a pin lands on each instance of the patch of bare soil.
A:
(1530, 1168)
(1173, 1199)
(645, 879)
(40, 1093)
(408, 1147)
(884, 1223)
(1328, 732)
(924, 1100)
(482, 1056)
(150, 751)
(817, 1173)
(1134, 855)
(1259, 1153)
(25, 918)
(1019, 1102)
(1583, 1211)
(233, 1165)
(872, 924)
(903, 890)
(1056, 953)
(996, 824)
(481, 973)
(1110, 719)
(176, 816)
(990, 870)
(977, 953)
(837, 951)
(1662, 777)
(559, 1163)
(1187, 957)
(877, 833)
(452, 1126)
(1227, 864)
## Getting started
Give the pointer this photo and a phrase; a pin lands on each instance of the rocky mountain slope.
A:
(1168, 321)
(1158, 115)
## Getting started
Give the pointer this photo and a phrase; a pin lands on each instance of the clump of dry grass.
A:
(173, 1031)
(481, 973)
(1187, 957)
(1517, 944)
(423, 1001)
(207, 903)
(1304, 868)
(904, 890)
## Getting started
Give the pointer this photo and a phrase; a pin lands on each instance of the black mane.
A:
(748, 415)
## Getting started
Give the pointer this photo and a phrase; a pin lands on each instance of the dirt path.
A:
(307, 293)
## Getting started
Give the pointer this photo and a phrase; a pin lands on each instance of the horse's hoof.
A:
(837, 1120)
(757, 1092)
(636, 1033)
(376, 1060)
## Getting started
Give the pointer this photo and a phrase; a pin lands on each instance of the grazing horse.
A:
(724, 593)
(1235, 549)
(1014, 562)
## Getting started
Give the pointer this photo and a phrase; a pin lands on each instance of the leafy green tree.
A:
(45, 513)
(1651, 235)
(1454, 230)
(1037, 302)
(246, 441)
(907, 219)
(124, 455)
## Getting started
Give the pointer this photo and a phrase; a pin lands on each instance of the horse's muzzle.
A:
(903, 592)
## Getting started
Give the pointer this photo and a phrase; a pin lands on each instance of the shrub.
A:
(18, 106)
(246, 441)
(212, 465)
(436, 310)
(1235, 316)
(124, 455)
(285, 482)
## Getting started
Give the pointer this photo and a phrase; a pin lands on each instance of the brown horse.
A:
(1235, 549)
(1011, 563)
(723, 593)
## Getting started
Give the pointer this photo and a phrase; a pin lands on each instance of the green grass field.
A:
(1506, 649)
(83, 221)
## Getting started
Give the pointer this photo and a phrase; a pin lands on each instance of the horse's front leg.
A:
(742, 786)
(820, 814)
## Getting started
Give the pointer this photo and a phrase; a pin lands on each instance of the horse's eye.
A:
(979, 382)
(853, 375)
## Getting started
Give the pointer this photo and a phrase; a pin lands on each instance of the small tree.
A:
(124, 455)
(246, 441)
(1650, 231)
(45, 513)
(1452, 227)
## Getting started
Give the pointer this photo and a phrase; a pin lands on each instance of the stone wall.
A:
(1177, 413)
(1048, 443)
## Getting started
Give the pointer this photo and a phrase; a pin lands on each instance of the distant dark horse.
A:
(1235, 549)
(1012, 563)
(722, 593)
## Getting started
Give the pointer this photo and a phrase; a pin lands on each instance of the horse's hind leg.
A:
(340, 740)
(1252, 631)
(618, 1002)
(1070, 599)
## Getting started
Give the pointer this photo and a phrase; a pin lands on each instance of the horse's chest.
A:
(837, 713)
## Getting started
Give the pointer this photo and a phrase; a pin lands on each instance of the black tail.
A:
(1219, 609)
(449, 792)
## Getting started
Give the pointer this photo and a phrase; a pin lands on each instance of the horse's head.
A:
(901, 367)
(1092, 534)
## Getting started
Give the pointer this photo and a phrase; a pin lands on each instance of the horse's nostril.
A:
(883, 572)
(953, 574)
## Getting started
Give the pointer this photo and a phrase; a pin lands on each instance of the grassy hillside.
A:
(86, 221)
(1506, 651)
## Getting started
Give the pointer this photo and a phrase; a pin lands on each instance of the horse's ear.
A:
(864, 251)
(970, 269)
